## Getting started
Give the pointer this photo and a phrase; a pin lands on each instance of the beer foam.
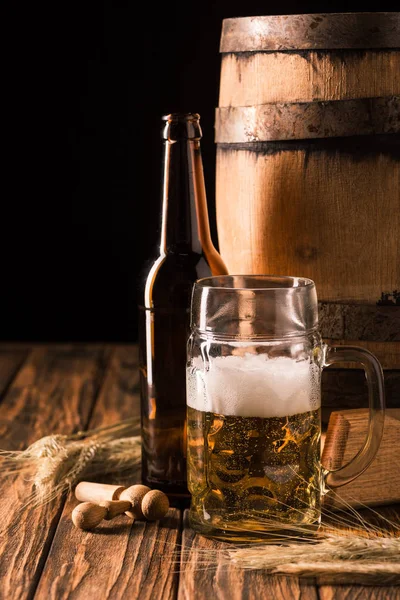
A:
(253, 386)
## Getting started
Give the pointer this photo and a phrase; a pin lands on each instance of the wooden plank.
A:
(386, 518)
(256, 78)
(368, 322)
(268, 190)
(204, 576)
(345, 436)
(119, 396)
(359, 592)
(53, 392)
(118, 559)
(10, 362)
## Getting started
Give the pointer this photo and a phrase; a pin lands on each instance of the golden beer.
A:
(251, 474)
(253, 380)
(246, 472)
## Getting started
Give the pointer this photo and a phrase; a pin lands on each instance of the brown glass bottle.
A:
(185, 254)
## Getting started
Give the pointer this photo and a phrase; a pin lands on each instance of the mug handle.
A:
(376, 394)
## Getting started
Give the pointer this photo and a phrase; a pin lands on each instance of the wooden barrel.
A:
(308, 164)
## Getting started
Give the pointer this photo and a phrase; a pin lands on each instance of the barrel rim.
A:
(310, 31)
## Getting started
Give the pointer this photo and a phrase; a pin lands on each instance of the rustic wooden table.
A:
(47, 389)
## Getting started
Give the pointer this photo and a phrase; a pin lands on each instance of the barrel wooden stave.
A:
(254, 78)
(326, 208)
(370, 323)
(287, 213)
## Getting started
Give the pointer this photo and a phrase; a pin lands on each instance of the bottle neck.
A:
(185, 226)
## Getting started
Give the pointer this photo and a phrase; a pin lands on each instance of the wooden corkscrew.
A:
(104, 501)
(87, 515)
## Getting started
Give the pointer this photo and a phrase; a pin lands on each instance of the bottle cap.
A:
(181, 126)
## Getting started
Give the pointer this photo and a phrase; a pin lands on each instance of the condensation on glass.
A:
(254, 364)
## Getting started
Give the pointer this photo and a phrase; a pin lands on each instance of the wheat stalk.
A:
(336, 555)
(334, 558)
(57, 462)
(368, 556)
(332, 553)
(347, 549)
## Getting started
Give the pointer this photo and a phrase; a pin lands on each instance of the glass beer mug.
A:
(254, 364)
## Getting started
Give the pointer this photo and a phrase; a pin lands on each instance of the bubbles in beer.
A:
(253, 443)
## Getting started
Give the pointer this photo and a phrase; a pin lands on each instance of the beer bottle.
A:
(185, 254)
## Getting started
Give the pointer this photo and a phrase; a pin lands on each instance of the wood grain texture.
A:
(305, 31)
(10, 362)
(379, 484)
(255, 78)
(61, 389)
(280, 208)
(118, 559)
(53, 392)
(354, 592)
(367, 322)
(119, 397)
(203, 575)
(283, 213)
(387, 521)
(206, 574)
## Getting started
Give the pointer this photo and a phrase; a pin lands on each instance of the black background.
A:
(84, 87)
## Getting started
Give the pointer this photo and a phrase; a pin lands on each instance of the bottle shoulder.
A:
(168, 280)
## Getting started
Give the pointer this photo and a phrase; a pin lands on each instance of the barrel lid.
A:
(311, 32)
